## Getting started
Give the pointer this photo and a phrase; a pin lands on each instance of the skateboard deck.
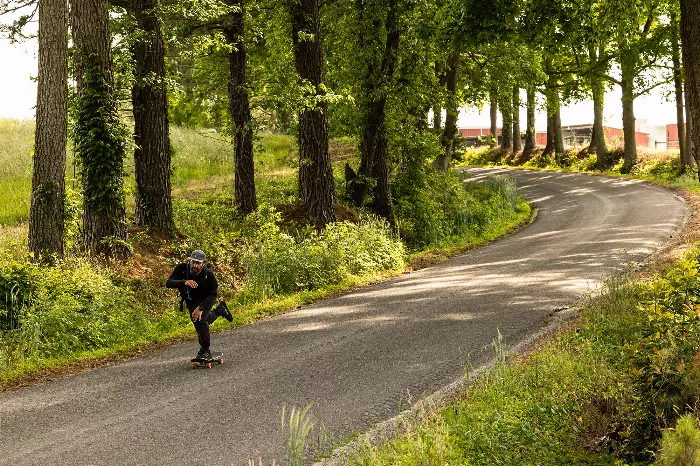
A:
(216, 356)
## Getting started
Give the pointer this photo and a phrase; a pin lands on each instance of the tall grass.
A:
(16, 148)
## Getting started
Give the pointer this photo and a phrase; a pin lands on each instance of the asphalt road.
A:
(359, 358)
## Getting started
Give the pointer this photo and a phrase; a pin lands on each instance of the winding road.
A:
(359, 358)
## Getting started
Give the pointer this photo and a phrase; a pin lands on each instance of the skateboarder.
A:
(198, 287)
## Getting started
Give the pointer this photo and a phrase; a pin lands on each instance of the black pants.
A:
(202, 325)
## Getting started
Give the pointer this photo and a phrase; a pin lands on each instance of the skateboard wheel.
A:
(208, 365)
(194, 365)
(221, 361)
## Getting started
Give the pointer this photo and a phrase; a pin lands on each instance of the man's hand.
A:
(191, 283)
(196, 314)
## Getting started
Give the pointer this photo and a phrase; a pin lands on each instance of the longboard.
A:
(216, 356)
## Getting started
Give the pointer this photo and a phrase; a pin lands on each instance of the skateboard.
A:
(216, 356)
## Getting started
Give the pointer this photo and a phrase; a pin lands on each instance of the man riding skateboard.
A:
(198, 288)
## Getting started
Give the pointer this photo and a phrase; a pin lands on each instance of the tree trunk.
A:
(549, 147)
(48, 178)
(556, 126)
(517, 139)
(442, 163)
(239, 112)
(99, 143)
(688, 128)
(598, 143)
(628, 120)
(316, 184)
(506, 104)
(686, 160)
(152, 156)
(493, 113)
(690, 38)
(530, 133)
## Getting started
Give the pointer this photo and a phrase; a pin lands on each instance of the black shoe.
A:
(223, 311)
(204, 354)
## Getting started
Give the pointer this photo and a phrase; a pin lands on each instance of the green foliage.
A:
(666, 359)
(61, 311)
(99, 139)
(298, 427)
(279, 263)
(433, 207)
(681, 446)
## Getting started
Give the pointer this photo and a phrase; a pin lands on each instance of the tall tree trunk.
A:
(689, 128)
(686, 159)
(239, 112)
(152, 156)
(316, 184)
(690, 39)
(99, 145)
(442, 163)
(530, 133)
(442, 82)
(48, 178)
(598, 142)
(379, 73)
(493, 113)
(558, 136)
(506, 104)
(549, 147)
(627, 64)
(517, 140)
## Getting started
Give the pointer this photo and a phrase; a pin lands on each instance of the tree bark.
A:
(690, 40)
(558, 136)
(686, 160)
(99, 146)
(549, 147)
(506, 105)
(239, 112)
(517, 140)
(152, 157)
(442, 163)
(316, 183)
(627, 63)
(598, 143)
(530, 134)
(46, 218)
(493, 113)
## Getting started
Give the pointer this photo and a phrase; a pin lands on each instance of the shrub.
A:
(681, 446)
(279, 263)
(432, 207)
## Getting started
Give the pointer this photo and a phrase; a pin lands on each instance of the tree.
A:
(98, 134)
(239, 110)
(685, 158)
(442, 163)
(151, 128)
(316, 184)
(46, 221)
(517, 139)
(690, 40)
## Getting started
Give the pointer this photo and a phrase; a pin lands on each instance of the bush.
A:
(433, 207)
(681, 446)
(666, 359)
(278, 263)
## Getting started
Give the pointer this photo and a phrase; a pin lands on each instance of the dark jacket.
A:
(204, 296)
